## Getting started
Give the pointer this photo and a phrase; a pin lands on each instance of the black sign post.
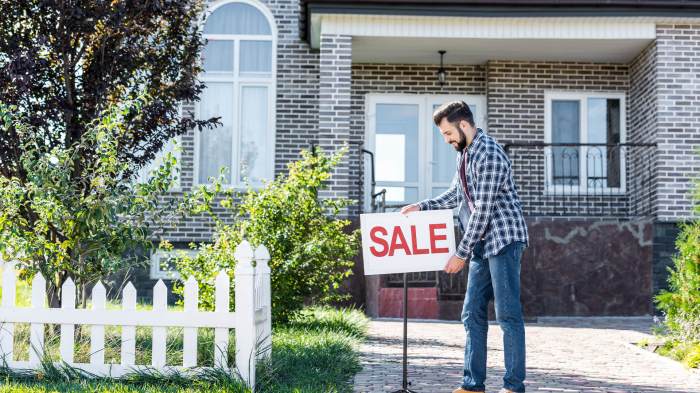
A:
(404, 382)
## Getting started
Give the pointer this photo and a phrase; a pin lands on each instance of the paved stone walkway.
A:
(563, 355)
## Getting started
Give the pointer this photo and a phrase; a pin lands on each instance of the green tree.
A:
(64, 65)
(311, 250)
(72, 232)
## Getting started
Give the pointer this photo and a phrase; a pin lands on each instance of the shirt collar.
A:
(477, 136)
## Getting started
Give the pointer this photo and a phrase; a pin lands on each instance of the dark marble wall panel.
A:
(588, 267)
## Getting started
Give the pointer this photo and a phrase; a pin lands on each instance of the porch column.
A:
(678, 119)
(334, 108)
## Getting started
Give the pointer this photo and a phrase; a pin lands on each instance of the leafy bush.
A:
(681, 303)
(311, 250)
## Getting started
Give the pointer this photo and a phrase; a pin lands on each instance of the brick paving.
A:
(563, 355)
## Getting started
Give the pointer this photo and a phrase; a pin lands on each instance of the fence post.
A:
(245, 312)
(262, 256)
(7, 329)
(36, 335)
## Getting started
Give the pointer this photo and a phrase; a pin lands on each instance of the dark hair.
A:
(454, 111)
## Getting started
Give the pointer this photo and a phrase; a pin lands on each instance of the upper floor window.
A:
(239, 62)
(585, 130)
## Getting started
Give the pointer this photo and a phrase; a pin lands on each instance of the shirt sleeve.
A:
(491, 172)
(447, 200)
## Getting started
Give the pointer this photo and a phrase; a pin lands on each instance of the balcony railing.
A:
(584, 179)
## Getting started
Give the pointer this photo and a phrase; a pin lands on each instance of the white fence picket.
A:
(246, 336)
(7, 329)
(97, 332)
(222, 300)
(128, 356)
(67, 329)
(251, 320)
(160, 334)
(36, 330)
(189, 345)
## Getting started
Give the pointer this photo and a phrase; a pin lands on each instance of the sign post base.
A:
(405, 383)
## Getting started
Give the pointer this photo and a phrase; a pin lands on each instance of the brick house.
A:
(596, 102)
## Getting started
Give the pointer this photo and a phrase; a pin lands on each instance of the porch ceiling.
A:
(416, 50)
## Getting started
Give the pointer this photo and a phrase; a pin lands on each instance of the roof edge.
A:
(501, 8)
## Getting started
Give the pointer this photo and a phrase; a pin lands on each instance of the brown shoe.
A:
(461, 390)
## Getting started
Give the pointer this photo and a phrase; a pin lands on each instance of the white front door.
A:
(412, 161)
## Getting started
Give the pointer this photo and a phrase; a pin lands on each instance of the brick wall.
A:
(334, 109)
(678, 86)
(642, 128)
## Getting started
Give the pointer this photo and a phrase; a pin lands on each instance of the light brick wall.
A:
(334, 108)
(678, 136)
(642, 128)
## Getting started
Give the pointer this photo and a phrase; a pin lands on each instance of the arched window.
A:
(239, 62)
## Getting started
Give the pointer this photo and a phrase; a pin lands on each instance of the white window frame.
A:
(425, 140)
(582, 97)
(238, 82)
(156, 273)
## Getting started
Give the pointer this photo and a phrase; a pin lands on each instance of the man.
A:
(495, 236)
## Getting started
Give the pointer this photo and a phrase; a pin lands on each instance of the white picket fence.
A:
(251, 321)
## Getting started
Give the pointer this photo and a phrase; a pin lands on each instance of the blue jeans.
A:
(498, 278)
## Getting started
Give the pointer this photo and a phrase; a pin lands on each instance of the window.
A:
(239, 64)
(163, 266)
(584, 129)
(411, 160)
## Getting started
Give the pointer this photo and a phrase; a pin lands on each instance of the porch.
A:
(578, 115)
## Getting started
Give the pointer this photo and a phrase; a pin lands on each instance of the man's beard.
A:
(462, 142)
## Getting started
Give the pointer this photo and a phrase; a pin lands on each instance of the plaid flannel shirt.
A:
(497, 215)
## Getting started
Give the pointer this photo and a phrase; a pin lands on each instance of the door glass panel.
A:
(399, 195)
(397, 142)
(565, 129)
(396, 150)
(444, 154)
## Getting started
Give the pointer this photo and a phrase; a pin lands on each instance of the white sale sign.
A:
(403, 243)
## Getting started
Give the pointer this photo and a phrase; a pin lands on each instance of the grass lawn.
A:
(315, 352)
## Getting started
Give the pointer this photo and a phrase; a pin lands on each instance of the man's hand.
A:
(454, 265)
(410, 208)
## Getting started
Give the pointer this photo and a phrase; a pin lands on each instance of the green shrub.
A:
(681, 303)
(311, 250)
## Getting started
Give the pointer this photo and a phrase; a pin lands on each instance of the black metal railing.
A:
(584, 179)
